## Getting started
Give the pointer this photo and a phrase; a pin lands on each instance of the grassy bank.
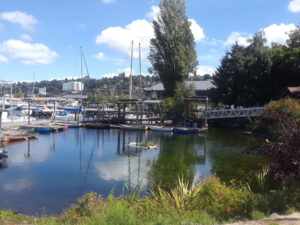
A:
(207, 202)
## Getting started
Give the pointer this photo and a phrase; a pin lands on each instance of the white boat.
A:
(161, 128)
(133, 127)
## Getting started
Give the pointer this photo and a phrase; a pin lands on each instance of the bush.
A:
(175, 104)
(276, 117)
(284, 155)
(210, 195)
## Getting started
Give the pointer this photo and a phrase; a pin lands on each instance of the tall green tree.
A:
(243, 77)
(172, 51)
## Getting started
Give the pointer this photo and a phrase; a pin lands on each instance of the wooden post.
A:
(119, 113)
(137, 113)
(206, 103)
(28, 112)
(185, 113)
(124, 107)
(142, 112)
(0, 119)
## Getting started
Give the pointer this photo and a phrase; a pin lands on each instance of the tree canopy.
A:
(172, 51)
(255, 74)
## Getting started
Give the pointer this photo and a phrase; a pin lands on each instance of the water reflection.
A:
(48, 174)
(180, 156)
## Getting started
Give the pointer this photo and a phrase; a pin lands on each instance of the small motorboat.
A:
(187, 130)
(21, 137)
(43, 129)
(161, 128)
(69, 125)
(133, 127)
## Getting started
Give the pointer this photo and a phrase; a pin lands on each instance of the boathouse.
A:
(201, 88)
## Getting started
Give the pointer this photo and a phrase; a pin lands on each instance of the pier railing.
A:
(234, 113)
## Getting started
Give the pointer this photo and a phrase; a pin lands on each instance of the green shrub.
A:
(222, 201)
(257, 215)
(276, 117)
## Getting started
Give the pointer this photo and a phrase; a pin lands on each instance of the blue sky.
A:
(43, 37)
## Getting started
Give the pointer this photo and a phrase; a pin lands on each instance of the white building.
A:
(73, 86)
(42, 91)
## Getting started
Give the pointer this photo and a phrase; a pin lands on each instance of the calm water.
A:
(47, 175)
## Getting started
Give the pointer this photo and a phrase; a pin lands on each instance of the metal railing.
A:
(234, 113)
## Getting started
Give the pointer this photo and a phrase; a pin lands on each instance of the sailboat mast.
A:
(81, 71)
(140, 63)
(130, 75)
(33, 85)
(11, 98)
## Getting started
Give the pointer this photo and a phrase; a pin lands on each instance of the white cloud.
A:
(26, 37)
(201, 70)
(119, 38)
(3, 58)
(18, 185)
(240, 38)
(278, 33)
(139, 31)
(153, 14)
(25, 20)
(100, 56)
(117, 170)
(197, 30)
(294, 6)
(275, 33)
(27, 52)
(108, 1)
(123, 70)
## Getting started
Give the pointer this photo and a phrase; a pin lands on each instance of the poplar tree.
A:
(172, 51)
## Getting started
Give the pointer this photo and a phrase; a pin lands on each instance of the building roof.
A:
(198, 85)
(294, 89)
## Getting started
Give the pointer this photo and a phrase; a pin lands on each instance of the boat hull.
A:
(133, 127)
(69, 125)
(43, 129)
(161, 129)
(185, 130)
(13, 138)
(97, 126)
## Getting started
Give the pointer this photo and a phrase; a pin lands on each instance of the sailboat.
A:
(135, 126)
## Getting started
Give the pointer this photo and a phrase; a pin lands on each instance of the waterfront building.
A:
(201, 89)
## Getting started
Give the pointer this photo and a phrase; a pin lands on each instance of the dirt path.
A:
(274, 219)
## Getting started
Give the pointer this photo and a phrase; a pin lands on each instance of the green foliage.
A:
(276, 117)
(175, 104)
(180, 197)
(257, 215)
(54, 87)
(222, 201)
(257, 74)
(146, 144)
(19, 95)
(172, 51)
